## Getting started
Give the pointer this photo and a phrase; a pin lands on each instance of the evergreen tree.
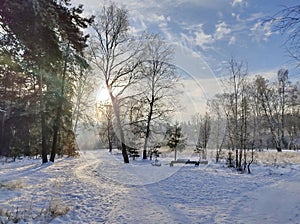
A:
(175, 138)
(52, 24)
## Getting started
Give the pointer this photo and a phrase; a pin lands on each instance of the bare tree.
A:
(287, 21)
(234, 96)
(204, 125)
(293, 115)
(268, 100)
(282, 91)
(84, 88)
(106, 132)
(216, 107)
(114, 55)
(158, 83)
(255, 124)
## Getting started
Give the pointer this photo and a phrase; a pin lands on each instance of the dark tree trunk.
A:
(236, 158)
(119, 125)
(278, 144)
(278, 148)
(55, 137)
(43, 120)
(148, 129)
(240, 160)
(2, 133)
(110, 145)
(109, 130)
(57, 121)
(124, 153)
(124, 149)
(145, 147)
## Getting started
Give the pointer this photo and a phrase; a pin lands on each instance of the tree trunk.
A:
(122, 138)
(77, 108)
(148, 129)
(43, 120)
(145, 146)
(278, 148)
(57, 121)
(109, 137)
(2, 132)
(236, 158)
(109, 145)
(56, 127)
(124, 153)
(240, 159)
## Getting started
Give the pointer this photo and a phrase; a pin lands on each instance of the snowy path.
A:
(275, 203)
(99, 188)
(128, 203)
(191, 194)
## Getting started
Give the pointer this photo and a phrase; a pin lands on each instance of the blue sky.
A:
(207, 33)
(215, 29)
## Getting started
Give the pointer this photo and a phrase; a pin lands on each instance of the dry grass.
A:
(57, 208)
(28, 215)
(12, 185)
(266, 157)
(273, 157)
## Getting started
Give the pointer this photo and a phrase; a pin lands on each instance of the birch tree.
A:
(115, 57)
(268, 100)
(216, 108)
(234, 87)
(158, 83)
(204, 126)
(282, 92)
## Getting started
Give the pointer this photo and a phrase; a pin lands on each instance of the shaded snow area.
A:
(98, 188)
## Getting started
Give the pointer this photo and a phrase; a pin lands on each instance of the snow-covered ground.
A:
(98, 188)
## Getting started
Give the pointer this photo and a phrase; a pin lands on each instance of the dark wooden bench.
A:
(134, 156)
(185, 161)
(193, 162)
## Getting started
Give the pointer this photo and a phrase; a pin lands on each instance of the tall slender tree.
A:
(282, 92)
(268, 100)
(216, 108)
(234, 87)
(115, 56)
(158, 83)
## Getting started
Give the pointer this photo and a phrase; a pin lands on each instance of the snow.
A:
(98, 188)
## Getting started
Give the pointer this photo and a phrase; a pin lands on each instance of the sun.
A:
(103, 95)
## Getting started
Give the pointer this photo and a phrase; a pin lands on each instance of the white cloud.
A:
(202, 39)
(186, 40)
(235, 3)
(268, 74)
(196, 35)
(222, 30)
(255, 16)
(211, 4)
(232, 40)
(261, 31)
(158, 18)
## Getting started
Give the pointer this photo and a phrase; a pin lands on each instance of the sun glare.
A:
(103, 95)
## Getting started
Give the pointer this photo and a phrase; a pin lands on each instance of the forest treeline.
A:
(252, 113)
(49, 68)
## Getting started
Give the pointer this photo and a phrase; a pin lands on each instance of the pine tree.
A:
(175, 138)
